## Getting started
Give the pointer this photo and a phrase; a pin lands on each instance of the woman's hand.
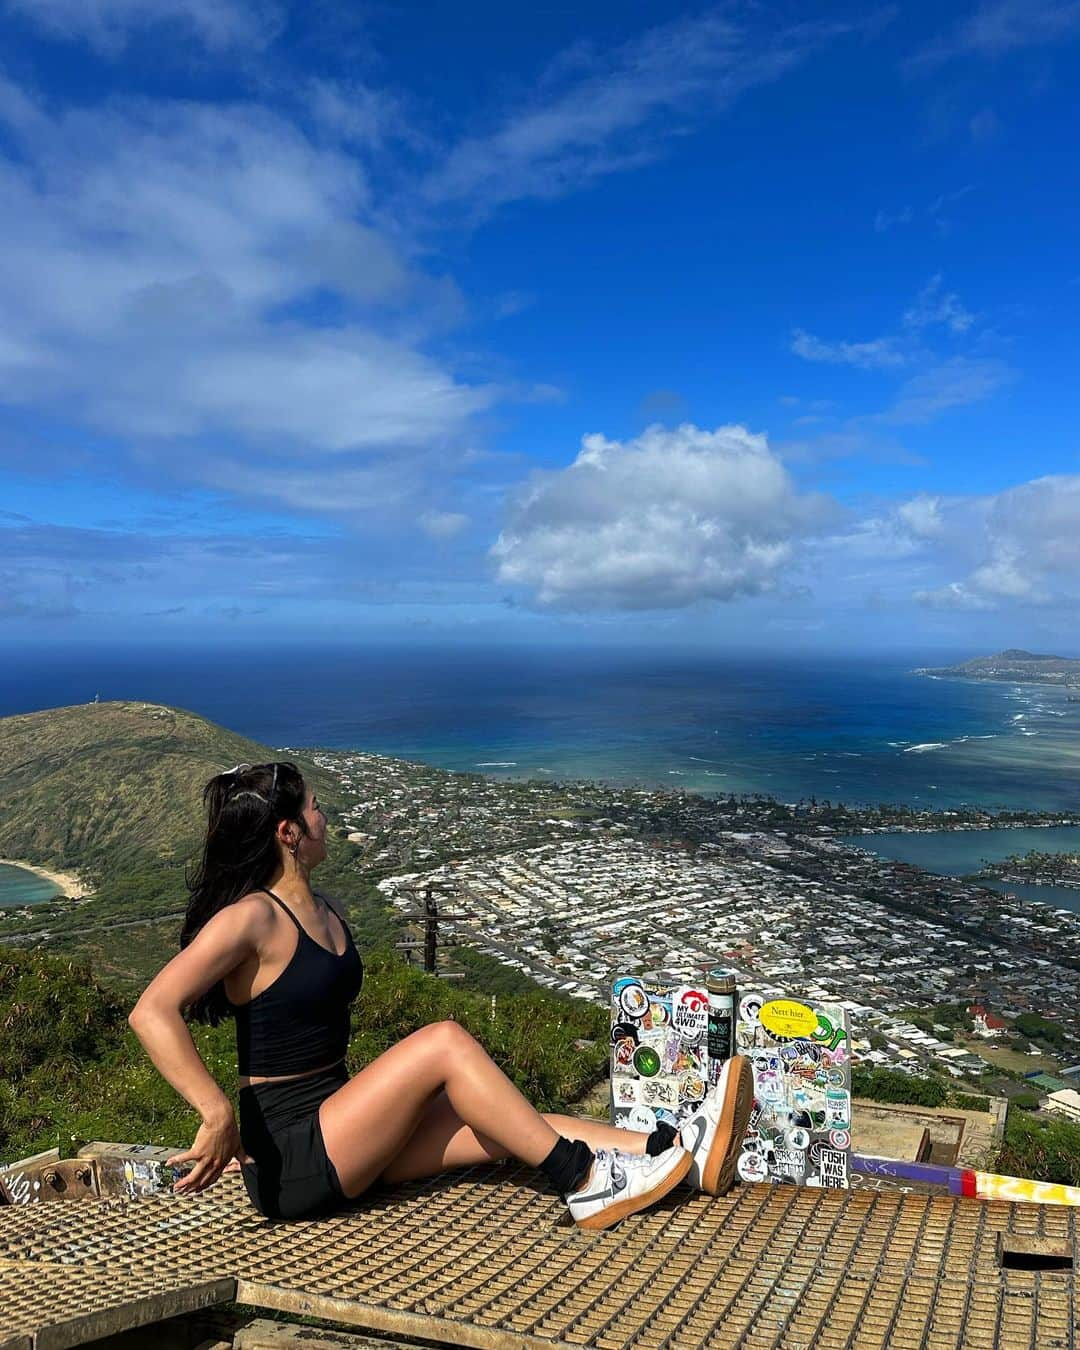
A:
(216, 1145)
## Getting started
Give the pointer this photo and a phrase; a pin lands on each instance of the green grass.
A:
(71, 1069)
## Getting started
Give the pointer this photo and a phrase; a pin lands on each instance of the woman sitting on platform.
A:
(258, 943)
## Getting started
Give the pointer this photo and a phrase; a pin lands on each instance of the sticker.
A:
(660, 1092)
(623, 1031)
(827, 1034)
(633, 1000)
(784, 1017)
(646, 1061)
(840, 1139)
(641, 1118)
(693, 1088)
(752, 1167)
(835, 1077)
(833, 1168)
(837, 1109)
(625, 1091)
(659, 1014)
(624, 1054)
(791, 1162)
(798, 1138)
(750, 1007)
(690, 1013)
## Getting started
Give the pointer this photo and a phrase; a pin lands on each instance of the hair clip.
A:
(249, 792)
(236, 768)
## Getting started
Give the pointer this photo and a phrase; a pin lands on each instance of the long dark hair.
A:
(240, 853)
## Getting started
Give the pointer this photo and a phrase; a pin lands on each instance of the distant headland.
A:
(1015, 666)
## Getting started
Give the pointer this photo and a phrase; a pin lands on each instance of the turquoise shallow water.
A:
(958, 853)
(20, 887)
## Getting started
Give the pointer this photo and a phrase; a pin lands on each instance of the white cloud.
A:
(949, 384)
(921, 516)
(878, 354)
(107, 24)
(1020, 546)
(673, 517)
(955, 595)
(442, 524)
(596, 113)
(998, 27)
(933, 305)
(180, 270)
(887, 220)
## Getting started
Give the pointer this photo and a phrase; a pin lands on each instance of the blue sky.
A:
(737, 325)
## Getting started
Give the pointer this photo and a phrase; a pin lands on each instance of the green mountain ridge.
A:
(113, 792)
(83, 784)
(1015, 666)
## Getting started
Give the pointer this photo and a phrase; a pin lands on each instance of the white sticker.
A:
(750, 1006)
(690, 1013)
(752, 1166)
(641, 1118)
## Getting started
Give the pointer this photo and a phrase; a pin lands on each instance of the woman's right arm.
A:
(230, 937)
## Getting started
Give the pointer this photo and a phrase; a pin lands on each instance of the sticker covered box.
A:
(659, 1051)
(800, 1128)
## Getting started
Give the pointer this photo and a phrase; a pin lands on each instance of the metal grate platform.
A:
(484, 1259)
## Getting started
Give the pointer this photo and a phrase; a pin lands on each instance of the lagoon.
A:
(19, 886)
(959, 853)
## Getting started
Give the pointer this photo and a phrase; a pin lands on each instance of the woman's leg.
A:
(367, 1123)
(442, 1141)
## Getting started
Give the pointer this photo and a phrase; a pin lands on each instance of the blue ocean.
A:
(852, 729)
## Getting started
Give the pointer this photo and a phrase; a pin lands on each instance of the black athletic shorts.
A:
(291, 1177)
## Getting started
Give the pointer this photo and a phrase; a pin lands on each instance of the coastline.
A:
(69, 884)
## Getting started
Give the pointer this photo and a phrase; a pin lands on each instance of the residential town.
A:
(572, 885)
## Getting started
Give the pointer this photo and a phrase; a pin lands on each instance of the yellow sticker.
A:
(784, 1017)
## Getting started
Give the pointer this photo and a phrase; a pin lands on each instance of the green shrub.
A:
(969, 1101)
(1043, 1150)
(887, 1085)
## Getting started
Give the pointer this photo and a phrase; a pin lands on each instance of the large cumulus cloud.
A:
(1018, 547)
(673, 517)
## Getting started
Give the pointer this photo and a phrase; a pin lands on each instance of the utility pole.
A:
(431, 944)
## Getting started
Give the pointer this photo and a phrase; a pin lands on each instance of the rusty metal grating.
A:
(485, 1259)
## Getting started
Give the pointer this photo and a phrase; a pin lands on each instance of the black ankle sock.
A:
(567, 1165)
(661, 1139)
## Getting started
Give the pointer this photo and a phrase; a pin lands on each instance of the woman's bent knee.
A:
(447, 1038)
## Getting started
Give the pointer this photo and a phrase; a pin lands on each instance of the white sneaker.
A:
(623, 1183)
(713, 1135)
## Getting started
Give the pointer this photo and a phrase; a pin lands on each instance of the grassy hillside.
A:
(113, 791)
(89, 786)
(71, 1069)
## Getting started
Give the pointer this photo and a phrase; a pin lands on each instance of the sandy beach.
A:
(68, 883)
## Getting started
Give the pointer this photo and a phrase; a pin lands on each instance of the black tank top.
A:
(301, 1021)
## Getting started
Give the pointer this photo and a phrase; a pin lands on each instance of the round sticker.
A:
(659, 1014)
(750, 1007)
(641, 1118)
(752, 1166)
(693, 1088)
(834, 1077)
(840, 1138)
(784, 1017)
(623, 1031)
(646, 1061)
(633, 1000)
(798, 1138)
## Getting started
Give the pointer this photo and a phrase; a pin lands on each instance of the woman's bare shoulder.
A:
(252, 914)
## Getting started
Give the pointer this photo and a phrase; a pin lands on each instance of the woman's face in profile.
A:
(313, 845)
